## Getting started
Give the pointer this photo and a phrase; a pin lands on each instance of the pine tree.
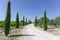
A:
(17, 21)
(45, 21)
(35, 21)
(7, 20)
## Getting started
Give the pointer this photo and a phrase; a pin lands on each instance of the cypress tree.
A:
(17, 21)
(26, 21)
(7, 20)
(45, 21)
(23, 20)
(30, 21)
(35, 21)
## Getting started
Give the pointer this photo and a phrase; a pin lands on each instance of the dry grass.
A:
(53, 30)
(12, 32)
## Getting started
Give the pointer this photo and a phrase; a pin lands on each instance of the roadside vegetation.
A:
(44, 22)
(36, 21)
(7, 24)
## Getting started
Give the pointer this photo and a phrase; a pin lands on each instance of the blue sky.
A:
(30, 8)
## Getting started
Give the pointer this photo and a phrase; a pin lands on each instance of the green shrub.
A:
(21, 23)
(13, 23)
(2, 24)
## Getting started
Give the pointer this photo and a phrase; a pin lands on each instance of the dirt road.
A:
(30, 32)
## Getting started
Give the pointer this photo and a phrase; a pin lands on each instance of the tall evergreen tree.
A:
(35, 21)
(45, 21)
(7, 20)
(26, 21)
(30, 21)
(17, 21)
(23, 20)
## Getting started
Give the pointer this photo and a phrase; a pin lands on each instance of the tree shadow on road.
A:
(20, 35)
